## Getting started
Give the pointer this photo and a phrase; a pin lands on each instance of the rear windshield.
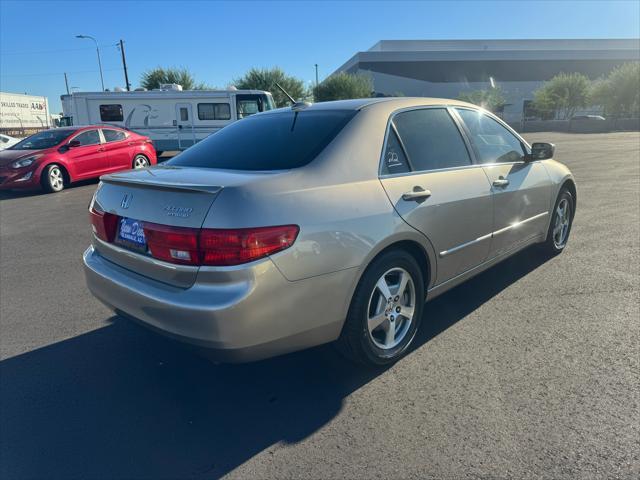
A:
(42, 140)
(277, 141)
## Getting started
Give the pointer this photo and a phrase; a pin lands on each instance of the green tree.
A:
(619, 92)
(562, 95)
(155, 77)
(491, 99)
(343, 86)
(266, 79)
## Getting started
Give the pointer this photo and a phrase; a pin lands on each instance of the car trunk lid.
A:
(164, 195)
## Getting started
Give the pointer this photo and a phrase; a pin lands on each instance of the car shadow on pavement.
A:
(121, 402)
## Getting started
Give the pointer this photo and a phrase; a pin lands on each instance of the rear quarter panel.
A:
(344, 214)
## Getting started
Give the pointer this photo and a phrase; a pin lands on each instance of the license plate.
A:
(131, 234)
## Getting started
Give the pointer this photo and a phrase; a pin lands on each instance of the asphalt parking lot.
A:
(530, 370)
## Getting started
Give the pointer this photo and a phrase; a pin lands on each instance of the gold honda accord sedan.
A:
(320, 223)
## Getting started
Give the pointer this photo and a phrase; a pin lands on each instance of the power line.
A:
(38, 52)
(55, 73)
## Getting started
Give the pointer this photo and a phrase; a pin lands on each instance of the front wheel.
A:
(385, 311)
(140, 161)
(560, 225)
(52, 179)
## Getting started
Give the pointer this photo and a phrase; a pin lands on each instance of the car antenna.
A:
(293, 102)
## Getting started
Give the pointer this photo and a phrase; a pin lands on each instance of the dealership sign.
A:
(23, 111)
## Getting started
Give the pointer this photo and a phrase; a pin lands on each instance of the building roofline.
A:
(486, 50)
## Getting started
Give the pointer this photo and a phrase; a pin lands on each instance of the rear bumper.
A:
(236, 314)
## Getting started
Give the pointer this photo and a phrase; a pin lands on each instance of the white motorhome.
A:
(174, 119)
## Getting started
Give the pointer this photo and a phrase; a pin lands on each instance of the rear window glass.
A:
(276, 141)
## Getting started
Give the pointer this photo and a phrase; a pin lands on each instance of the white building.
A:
(445, 68)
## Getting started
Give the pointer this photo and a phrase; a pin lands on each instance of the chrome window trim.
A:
(464, 167)
(444, 107)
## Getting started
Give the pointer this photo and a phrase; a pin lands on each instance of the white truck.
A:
(173, 118)
(22, 115)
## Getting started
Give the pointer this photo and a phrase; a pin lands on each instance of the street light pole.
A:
(316, 74)
(98, 52)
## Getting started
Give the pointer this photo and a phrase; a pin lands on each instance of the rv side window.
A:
(214, 111)
(184, 114)
(111, 113)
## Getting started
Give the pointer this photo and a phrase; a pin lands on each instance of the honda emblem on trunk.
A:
(126, 200)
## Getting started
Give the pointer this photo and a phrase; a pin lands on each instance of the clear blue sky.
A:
(219, 41)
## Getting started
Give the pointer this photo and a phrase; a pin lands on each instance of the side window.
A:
(113, 135)
(394, 160)
(493, 142)
(431, 139)
(247, 107)
(214, 111)
(111, 113)
(184, 114)
(90, 137)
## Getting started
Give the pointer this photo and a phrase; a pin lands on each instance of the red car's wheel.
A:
(52, 178)
(140, 161)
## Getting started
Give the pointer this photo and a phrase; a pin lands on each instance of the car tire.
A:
(368, 342)
(52, 178)
(140, 161)
(560, 224)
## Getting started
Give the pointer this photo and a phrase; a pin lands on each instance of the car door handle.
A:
(101, 149)
(500, 182)
(416, 195)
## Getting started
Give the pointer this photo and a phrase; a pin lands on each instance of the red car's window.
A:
(90, 137)
(113, 135)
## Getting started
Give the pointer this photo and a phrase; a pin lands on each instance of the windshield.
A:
(268, 102)
(275, 141)
(42, 140)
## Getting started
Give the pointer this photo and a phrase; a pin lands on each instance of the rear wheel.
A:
(560, 226)
(385, 311)
(52, 178)
(140, 161)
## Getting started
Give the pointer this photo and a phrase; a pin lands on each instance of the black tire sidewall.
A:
(358, 313)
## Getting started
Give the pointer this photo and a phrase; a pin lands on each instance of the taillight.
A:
(232, 247)
(103, 224)
(173, 244)
(190, 246)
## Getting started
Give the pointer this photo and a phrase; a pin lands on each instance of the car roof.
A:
(398, 102)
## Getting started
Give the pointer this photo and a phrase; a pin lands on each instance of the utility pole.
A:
(316, 74)
(124, 66)
(66, 82)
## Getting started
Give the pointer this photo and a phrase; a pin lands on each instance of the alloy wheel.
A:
(562, 220)
(140, 162)
(56, 180)
(391, 308)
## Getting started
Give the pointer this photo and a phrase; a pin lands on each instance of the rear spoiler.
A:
(159, 184)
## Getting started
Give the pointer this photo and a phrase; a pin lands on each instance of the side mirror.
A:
(541, 151)
(76, 143)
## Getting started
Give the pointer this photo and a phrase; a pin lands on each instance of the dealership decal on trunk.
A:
(178, 211)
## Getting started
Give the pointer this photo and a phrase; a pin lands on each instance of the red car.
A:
(55, 158)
